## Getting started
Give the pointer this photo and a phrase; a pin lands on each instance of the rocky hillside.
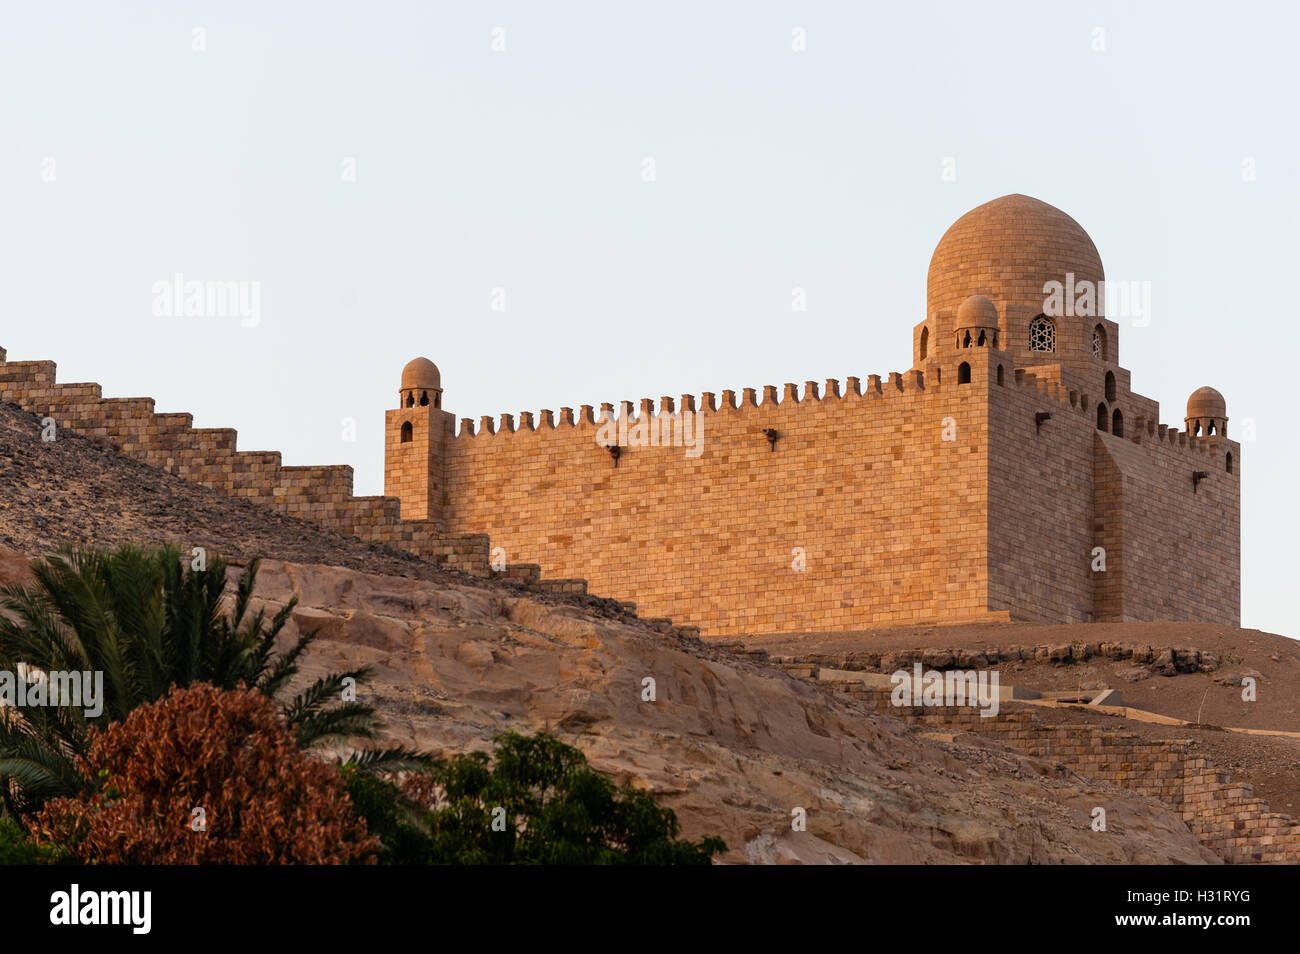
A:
(1191, 672)
(733, 745)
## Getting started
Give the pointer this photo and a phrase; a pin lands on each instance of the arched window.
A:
(1117, 424)
(999, 374)
(1103, 419)
(925, 342)
(424, 399)
(980, 341)
(410, 399)
(1229, 462)
(963, 373)
(1099, 344)
(1042, 334)
(407, 432)
(1110, 386)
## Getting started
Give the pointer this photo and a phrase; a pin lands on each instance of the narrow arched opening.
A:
(963, 373)
(999, 375)
(408, 432)
(1103, 418)
(1117, 424)
(1110, 385)
(925, 342)
(1229, 462)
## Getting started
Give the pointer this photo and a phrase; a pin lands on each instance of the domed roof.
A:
(421, 374)
(1206, 403)
(976, 312)
(1006, 250)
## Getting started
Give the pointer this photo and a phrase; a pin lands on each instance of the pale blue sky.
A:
(522, 170)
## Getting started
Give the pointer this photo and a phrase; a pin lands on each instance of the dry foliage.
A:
(230, 753)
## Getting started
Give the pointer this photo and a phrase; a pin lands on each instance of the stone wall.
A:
(1178, 543)
(860, 514)
(208, 456)
(913, 499)
(1224, 815)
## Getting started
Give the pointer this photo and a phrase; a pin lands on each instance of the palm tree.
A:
(149, 621)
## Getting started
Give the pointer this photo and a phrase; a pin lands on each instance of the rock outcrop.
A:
(732, 745)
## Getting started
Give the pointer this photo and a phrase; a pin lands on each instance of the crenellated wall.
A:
(860, 513)
(1063, 488)
(924, 497)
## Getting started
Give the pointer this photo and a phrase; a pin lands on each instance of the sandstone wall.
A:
(890, 516)
(1224, 815)
(1058, 491)
(863, 514)
(1040, 502)
(322, 494)
(1179, 547)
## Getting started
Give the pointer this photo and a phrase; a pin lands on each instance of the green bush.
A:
(17, 849)
(535, 802)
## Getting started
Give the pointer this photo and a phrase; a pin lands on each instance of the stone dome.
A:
(1207, 403)
(1006, 250)
(421, 375)
(976, 312)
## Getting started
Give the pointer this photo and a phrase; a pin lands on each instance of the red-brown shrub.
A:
(227, 752)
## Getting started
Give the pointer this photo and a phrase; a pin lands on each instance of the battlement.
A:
(731, 401)
(1145, 431)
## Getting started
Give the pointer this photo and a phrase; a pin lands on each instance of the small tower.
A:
(976, 325)
(1207, 414)
(415, 441)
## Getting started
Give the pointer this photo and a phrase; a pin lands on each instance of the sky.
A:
(572, 203)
